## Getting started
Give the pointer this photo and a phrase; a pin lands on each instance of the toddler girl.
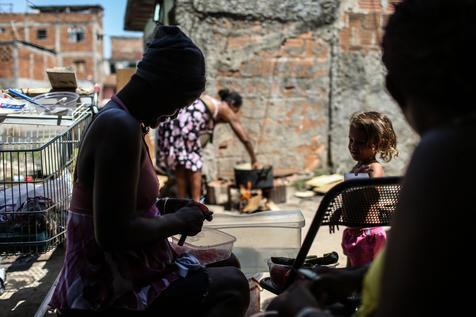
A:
(370, 134)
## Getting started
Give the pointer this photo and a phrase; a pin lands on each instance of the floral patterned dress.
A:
(180, 140)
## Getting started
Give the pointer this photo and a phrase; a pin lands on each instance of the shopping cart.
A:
(37, 158)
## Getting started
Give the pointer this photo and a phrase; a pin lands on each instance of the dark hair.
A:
(231, 97)
(379, 132)
(429, 54)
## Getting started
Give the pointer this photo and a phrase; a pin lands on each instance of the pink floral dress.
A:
(179, 140)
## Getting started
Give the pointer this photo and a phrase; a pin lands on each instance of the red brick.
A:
(368, 38)
(126, 48)
(376, 5)
(255, 87)
(32, 62)
(49, 41)
(344, 36)
(370, 5)
(306, 36)
(39, 69)
(371, 21)
(257, 67)
(355, 20)
(293, 47)
(88, 71)
(296, 67)
(49, 21)
(317, 49)
(239, 42)
(6, 65)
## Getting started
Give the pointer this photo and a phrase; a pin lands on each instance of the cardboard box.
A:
(62, 78)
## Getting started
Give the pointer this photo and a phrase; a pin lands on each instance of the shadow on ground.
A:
(21, 275)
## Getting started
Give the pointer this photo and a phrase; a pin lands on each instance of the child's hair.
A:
(379, 131)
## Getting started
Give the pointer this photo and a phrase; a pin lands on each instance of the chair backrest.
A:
(367, 202)
(360, 202)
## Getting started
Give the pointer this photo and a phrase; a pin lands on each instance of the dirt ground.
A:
(30, 277)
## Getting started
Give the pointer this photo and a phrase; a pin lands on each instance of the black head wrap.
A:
(173, 61)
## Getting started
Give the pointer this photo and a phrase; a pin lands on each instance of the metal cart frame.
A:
(37, 159)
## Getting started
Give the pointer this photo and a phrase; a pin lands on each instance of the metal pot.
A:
(259, 178)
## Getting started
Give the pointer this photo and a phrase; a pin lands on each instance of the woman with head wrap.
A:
(180, 141)
(117, 255)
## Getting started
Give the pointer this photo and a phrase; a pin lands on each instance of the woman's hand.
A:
(337, 284)
(171, 205)
(190, 219)
(256, 165)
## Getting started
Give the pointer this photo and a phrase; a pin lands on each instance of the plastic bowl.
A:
(58, 99)
(209, 246)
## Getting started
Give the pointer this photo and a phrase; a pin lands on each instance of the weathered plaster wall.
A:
(358, 81)
(303, 67)
(277, 55)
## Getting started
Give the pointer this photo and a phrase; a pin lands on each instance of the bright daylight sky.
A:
(113, 14)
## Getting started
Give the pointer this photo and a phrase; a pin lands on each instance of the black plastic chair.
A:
(361, 202)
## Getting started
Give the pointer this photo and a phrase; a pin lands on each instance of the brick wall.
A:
(278, 57)
(82, 72)
(6, 58)
(283, 122)
(126, 48)
(27, 25)
(49, 41)
(32, 63)
(376, 5)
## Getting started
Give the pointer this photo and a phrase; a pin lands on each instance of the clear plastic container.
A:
(58, 99)
(261, 235)
(209, 246)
